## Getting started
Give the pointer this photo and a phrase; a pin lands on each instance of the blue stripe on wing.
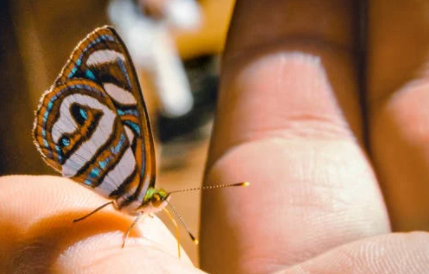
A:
(134, 126)
(101, 38)
(133, 112)
(96, 170)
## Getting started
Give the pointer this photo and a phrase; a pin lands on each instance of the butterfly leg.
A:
(92, 212)
(139, 215)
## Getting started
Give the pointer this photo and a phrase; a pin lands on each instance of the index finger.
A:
(289, 122)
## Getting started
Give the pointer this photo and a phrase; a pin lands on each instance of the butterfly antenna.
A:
(195, 240)
(210, 187)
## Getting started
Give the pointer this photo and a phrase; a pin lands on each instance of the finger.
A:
(394, 253)
(38, 235)
(288, 121)
(398, 101)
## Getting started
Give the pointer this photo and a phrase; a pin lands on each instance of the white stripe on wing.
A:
(119, 94)
(66, 124)
(118, 174)
(104, 56)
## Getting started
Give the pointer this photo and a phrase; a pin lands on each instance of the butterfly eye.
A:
(65, 141)
(79, 114)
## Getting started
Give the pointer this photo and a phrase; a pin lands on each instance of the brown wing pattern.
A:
(92, 125)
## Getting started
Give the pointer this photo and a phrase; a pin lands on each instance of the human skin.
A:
(290, 122)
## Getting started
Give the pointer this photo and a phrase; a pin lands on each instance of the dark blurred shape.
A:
(17, 153)
(202, 74)
(36, 38)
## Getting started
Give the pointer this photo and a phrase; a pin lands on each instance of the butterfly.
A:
(93, 127)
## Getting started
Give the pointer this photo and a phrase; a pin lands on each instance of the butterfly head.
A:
(154, 200)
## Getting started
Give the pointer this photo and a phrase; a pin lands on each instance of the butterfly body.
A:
(93, 127)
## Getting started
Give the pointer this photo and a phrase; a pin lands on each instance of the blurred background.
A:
(175, 46)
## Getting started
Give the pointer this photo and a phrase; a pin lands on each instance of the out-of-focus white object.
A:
(152, 48)
(183, 14)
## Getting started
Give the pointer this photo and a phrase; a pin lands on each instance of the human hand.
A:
(291, 121)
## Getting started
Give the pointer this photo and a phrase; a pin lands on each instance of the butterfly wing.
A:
(92, 124)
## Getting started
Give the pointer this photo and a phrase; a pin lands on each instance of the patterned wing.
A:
(92, 125)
